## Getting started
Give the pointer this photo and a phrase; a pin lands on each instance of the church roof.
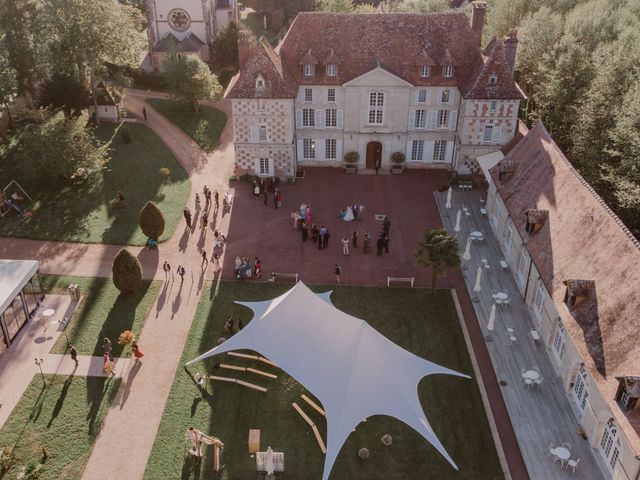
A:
(399, 41)
(169, 43)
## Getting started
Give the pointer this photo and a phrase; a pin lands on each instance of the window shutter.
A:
(428, 151)
(339, 119)
(417, 97)
(432, 119)
(428, 97)
(320, 117)
(412, 119)
(408, 152)
(497, 134)
(453, 117)
(257, 166)
(253, 134)
(300, 150)
(320, 148)
(298, 117)
(448, 154)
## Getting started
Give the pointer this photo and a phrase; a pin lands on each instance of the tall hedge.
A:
(127, 272)
(151, 221)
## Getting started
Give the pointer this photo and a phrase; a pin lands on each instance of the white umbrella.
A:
(269, 466)
(477, 288)
(492, 318)
(466, 256)
(458, 217)
(448, 205)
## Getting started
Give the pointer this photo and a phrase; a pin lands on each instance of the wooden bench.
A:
(400, 279)
(254, 440)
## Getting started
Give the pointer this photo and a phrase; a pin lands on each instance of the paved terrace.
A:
(539, 415)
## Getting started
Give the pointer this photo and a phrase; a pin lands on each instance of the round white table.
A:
(562, 453)
(531, 375)
(476, 234)
(501, 296)
(49, 312)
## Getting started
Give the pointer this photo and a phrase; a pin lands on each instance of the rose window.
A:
(179, 19)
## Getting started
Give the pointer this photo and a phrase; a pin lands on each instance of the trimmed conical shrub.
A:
(151, 221)
(127, 272)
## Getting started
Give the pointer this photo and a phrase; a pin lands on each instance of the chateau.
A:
(187, 27)
(374, 84)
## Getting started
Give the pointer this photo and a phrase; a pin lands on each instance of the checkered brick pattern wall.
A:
(477, 116)
(250, 115)
(282, 157)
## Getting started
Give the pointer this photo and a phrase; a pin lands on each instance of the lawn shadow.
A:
(121, 317)
(60, 402)
(96, 388)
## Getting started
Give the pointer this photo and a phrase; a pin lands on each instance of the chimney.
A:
(510, 47)
(477, 18)
(244, 49)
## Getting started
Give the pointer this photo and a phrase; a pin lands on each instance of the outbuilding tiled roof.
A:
(398, 41)
(581, 239)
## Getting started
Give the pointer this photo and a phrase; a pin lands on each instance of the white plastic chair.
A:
(573, 464)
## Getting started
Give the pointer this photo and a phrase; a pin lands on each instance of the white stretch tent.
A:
(14, 274)
(351, 368)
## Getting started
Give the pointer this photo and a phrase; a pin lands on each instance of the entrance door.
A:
(374, 155)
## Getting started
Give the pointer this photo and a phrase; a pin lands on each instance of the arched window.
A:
(581, 388)
(610, 443)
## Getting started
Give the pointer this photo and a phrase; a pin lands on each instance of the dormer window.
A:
(628, 392)
(259, 85)
(577, 291)
(534, 219)
(308, 70)
(447, 71)
(424, 71)
(493, 80)
(332, 70)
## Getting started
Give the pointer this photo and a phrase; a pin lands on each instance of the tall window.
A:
(444, 96)
(308, 117)
(522, 266)
(539, 300)
(261, 106)
(420, 120)
(488, 134)
(308, 70)
(439, 149)
(331, 95)
(581, 388)
(417, 150)
(443, 119)
(376, 107)
(447, 71)
(560, 340)
(308, 95)
(332, 70)
(422, 96)
(309, 148)
(264, 167)
(610, 444)
(424, 71)
(330, 148)
(507, 239)
(492, 106)
(263, 133)
(331, 117)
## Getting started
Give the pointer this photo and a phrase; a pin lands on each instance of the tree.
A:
(439, 251)
(151, 221)
(225, 47)
(420, 6)
(345, 6)
(127, 272)
(47, 145)
(189, 80)
(8, 79)
(66, 93)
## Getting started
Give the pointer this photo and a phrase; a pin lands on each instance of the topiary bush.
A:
(151, 221)
(351, 157)
(165, 173)
(397, 158)
(127, 272)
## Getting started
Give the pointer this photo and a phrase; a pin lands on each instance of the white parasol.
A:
(269, 466)
(458, 217)
(477, 288)
(448, 205)
(492, 318)
(466, 256)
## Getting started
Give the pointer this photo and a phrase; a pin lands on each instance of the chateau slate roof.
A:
(395, 40)
(581, 239)
(494, 63)
(168, 43)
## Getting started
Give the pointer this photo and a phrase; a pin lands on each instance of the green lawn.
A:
(81, 213)
(64, 417)
(103, 312)
(204, 127)
(409, 317)
(254, 22)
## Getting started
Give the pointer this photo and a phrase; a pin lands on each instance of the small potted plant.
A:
(397, 162)
(351, 162)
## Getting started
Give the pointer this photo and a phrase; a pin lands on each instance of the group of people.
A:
(352, 212)
(229, 325)
(243, 269)
(107, 355)
(208, 195)
(262, 188)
